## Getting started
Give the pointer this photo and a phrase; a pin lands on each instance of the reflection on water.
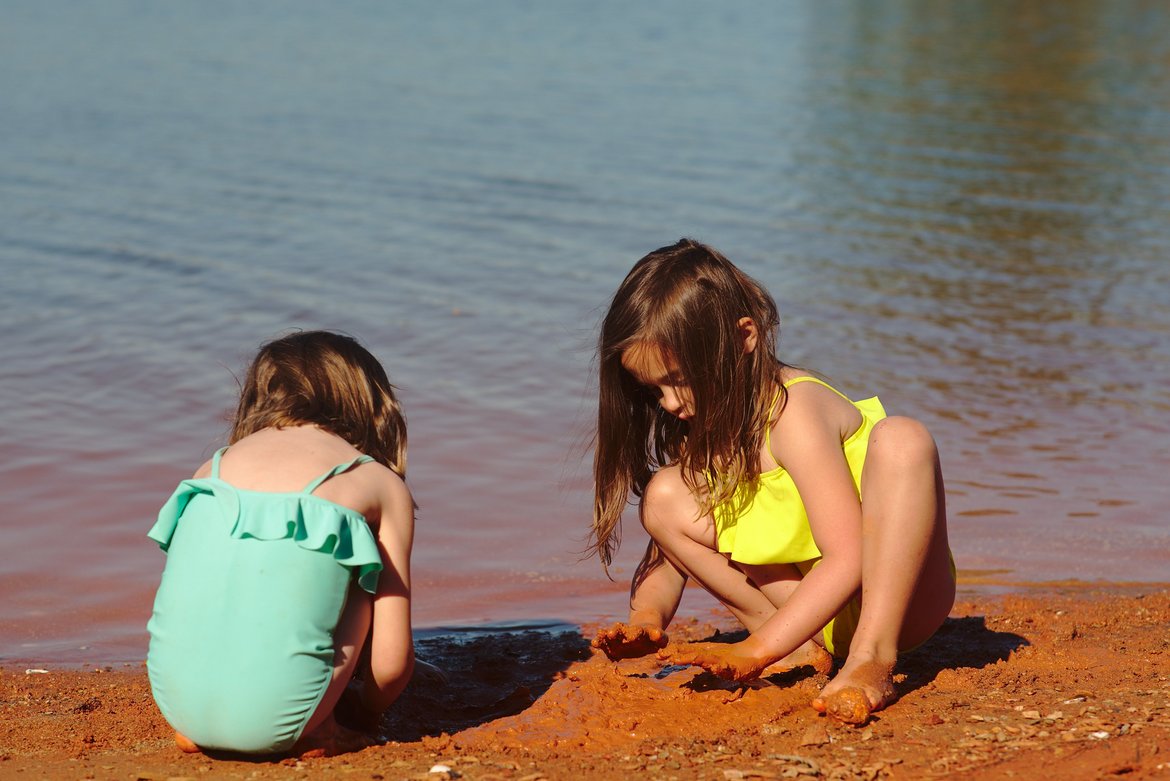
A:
(1001, 220)
(961, 206)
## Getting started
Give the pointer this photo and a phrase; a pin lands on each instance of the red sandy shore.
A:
(1064, 681)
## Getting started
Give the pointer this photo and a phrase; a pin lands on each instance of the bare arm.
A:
(655, 590)
(655, 593)
(392, 648)
(808, 444)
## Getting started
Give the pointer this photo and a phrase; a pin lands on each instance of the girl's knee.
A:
(666, 502)
(902, 441)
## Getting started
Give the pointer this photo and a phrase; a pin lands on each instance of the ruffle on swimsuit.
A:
(313, 523)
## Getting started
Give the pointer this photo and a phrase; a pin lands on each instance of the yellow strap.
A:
(789, 384)
(806, 378)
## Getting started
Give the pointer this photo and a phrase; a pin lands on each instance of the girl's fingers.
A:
(691, 653)
(610, 637)
(716, 658)
(624, 641)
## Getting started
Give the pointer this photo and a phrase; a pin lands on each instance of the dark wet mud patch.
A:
(489, 675)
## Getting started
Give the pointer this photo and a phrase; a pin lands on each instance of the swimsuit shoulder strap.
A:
(768, 427)
(215, 462)
(806, 378)
(311, 487)
(789, 384)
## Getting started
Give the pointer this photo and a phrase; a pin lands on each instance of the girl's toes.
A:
(849, 705)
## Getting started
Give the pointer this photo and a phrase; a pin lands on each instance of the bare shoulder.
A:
(813, 398)
(813, 411)
(203, 471)
(395, 502)
(398, 496)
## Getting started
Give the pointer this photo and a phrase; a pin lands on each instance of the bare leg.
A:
(906, 584)
(322, 733)
(777, 582)
(673, 519)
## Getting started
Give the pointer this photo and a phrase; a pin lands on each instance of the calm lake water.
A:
(963, 207)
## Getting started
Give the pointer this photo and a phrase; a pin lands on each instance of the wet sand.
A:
(1067, 680)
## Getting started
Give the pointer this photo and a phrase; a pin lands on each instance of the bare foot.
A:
(731, 661)
(185, 744)
(627, 641)
(858, 691)
(808, 655)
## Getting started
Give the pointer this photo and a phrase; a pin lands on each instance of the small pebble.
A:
(816, 735)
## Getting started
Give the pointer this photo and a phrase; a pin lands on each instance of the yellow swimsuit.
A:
(767, 523)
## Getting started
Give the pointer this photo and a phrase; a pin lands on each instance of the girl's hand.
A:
(352, 713)
(733, 661)
(627, 641)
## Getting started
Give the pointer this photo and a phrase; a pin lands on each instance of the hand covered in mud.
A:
(627, 641)
(731, 661)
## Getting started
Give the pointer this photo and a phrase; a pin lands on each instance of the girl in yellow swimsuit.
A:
(819, 522)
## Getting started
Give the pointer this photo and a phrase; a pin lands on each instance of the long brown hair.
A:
(687, 300)
(326, 379)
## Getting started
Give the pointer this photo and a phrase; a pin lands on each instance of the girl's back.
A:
(288, 459)
(262, 544)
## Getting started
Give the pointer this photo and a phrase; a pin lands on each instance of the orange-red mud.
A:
(1069, 682)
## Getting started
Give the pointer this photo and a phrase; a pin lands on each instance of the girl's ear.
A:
(748, 332)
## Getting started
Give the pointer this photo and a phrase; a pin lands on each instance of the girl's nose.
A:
(670, 401)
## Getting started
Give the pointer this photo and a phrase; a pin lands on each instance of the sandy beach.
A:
(961, 208)
(1070, 680)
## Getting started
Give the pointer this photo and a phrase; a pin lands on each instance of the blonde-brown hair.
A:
(687, 300)
(329, 380)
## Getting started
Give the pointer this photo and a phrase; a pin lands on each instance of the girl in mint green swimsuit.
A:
(285, 554)
(781, 497)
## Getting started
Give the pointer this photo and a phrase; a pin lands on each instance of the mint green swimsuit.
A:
(241, 638)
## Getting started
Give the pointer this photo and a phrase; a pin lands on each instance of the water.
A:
(964, 207)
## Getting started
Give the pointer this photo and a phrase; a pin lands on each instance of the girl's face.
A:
(657, 369)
